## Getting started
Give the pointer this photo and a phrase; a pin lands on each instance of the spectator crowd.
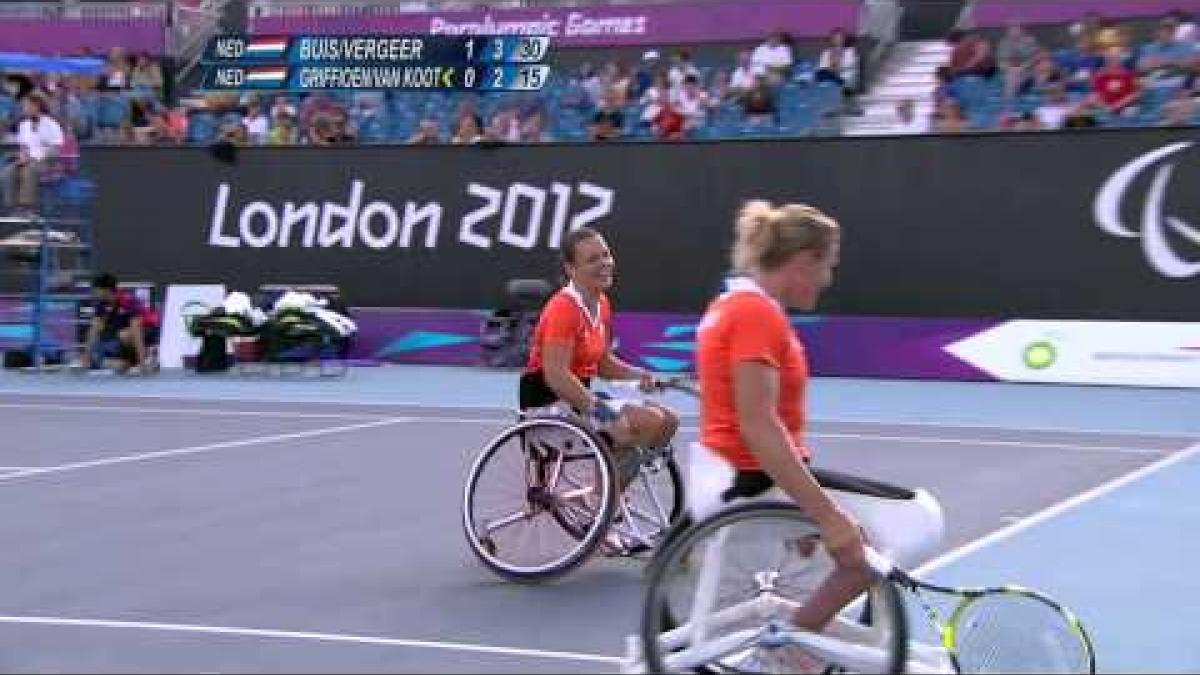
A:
(1108, 77)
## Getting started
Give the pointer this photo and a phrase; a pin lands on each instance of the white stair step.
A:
(908, 69)
(901, 90)
(923, 80)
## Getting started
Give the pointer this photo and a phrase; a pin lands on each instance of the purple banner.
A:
(597, 26)
(993, 13)
(67, 37)
(837, 346)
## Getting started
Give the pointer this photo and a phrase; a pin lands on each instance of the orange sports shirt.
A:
(745, 324)
(564, 319)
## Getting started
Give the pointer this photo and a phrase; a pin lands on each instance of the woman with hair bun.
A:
(753, 376)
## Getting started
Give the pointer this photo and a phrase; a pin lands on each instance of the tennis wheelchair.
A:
(721, 595)
(544, 496)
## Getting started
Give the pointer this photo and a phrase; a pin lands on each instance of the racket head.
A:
(1013, 629)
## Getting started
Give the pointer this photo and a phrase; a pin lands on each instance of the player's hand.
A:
(603, 414)
(843, 539)
(648, 383)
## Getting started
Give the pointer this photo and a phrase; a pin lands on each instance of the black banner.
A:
(1093, 224)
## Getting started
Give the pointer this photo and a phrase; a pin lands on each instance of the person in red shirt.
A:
(122, 328)
(572, 345)
(753, 376)
(1114, 86)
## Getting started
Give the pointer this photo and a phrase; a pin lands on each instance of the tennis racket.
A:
(686, 384)
(1003, 629)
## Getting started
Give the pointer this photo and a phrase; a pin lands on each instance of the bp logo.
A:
(1040, 355)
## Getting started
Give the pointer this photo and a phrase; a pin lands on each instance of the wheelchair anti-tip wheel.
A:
(539, 499)
(720, 594)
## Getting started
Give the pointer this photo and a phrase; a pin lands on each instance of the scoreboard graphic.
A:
(301, 63)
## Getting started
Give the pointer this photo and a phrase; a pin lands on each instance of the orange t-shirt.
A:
(745, 324)
(564, 319)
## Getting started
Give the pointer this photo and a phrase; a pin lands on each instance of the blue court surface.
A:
(255, 524)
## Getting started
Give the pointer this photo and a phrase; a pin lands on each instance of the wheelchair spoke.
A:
(501, 523)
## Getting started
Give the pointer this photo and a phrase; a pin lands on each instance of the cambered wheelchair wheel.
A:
(539, 499)
(720, 594)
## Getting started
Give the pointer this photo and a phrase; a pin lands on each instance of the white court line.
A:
(195, 449)
(305, 635)
(502, 408)
(1057, 509)
(1125, 450)
(138, 410)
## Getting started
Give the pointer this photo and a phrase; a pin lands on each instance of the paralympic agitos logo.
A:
(1162, 234)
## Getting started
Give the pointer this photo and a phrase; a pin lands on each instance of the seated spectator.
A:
(759, 102)
(39, 141)
(284, 131)
(1054, 108)
(344, 130)
(146, 74)
(971, 55)
(609, 121)
(1080, 64)
(533, 129)
(774, 58)
(1017, 46)
(1038, 77)
(945, 87)
(669, 122)
(907, 121)
(742, 79)
(621, 83)
(1046, 75)
(592, 84)
(256, 123)
(1087, 29)
(655, 98)
(18, 84)
(282, 106)
(160, 128)
(1115, 87)
(693, 104)
(504, 128)
(233, 132)
(116, 71)
(949, 118)
(1166, 62)
(839, 63)
(681, 68)
(1113, 36)
(721, 91)
(177, 124)
(427, 133)
(1181, 110)
(123, 329)
(317, 104)
(468, 129)
(1026, 121)
(1185, 27)
(643, 78)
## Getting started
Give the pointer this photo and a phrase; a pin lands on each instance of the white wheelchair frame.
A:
(904, 531)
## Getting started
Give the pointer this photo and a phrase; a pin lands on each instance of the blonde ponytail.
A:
(768, 236)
